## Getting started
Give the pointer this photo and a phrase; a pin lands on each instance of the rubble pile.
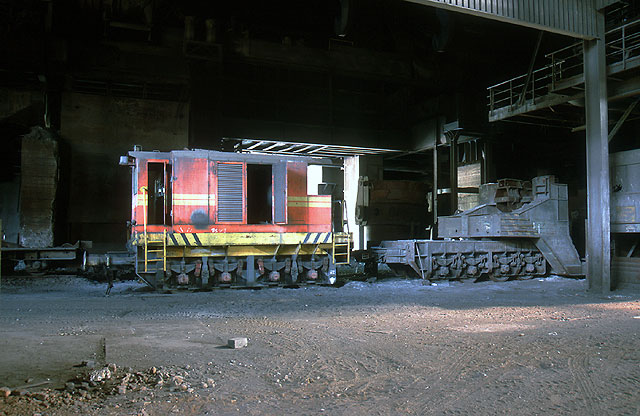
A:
(99, 383)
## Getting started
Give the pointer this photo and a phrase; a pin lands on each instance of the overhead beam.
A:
(574, 18)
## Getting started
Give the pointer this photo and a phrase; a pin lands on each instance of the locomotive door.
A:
(280, 193)
(190, 193)
(266, 193)
(159, 192)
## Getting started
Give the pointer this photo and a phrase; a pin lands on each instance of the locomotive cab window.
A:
(259, 194)
(159, 194)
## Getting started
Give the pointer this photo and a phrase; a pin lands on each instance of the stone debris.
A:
(100, 375)
(238, 342)
(110, 380)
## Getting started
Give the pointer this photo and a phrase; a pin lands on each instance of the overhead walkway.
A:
(554, 94)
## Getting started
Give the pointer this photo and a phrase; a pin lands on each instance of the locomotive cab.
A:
(203, 219)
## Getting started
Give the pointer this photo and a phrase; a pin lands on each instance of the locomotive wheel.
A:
(498, 277)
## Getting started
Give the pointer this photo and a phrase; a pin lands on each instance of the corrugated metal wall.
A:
(570, 17)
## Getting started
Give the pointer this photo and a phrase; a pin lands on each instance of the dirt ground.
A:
(543, 346)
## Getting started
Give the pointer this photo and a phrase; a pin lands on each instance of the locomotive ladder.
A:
(150, 241)
(342, 243)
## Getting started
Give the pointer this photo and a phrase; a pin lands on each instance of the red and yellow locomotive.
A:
(204, 218)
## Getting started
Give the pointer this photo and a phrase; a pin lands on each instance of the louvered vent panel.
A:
(229, 192)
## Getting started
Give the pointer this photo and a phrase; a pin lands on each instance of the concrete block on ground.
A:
(238, 342)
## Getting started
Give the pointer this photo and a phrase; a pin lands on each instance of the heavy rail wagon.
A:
(204, 218)
(519, 230)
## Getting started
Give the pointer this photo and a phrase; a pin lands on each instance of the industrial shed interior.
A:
(435, 204)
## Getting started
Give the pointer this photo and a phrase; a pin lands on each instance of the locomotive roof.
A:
(231, 156)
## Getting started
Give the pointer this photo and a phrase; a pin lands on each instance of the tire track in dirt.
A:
(461, 361)
(578, 368)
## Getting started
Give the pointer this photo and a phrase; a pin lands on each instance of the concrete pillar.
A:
(598, 195)
(354, 168)
(351, 174)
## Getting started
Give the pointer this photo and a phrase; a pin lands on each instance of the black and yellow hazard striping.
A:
(184, 239)
(315, 238)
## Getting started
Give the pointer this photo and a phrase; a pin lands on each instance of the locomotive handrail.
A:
(144, 224)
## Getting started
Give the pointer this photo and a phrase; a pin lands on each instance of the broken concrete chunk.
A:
(100, 375)
(5, 391)
(236, 343)
(40, 396)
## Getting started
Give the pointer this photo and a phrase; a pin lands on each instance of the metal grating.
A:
(230, 191)
(305, 149)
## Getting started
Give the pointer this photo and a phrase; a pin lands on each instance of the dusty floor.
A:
(392, 347)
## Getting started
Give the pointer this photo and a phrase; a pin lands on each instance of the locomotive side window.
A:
(159, 193)
(259, 194)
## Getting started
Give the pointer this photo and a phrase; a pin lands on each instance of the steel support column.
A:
(453, 173)
(435, 188)
(597, 145)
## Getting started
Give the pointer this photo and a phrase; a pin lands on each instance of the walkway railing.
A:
(565, 69)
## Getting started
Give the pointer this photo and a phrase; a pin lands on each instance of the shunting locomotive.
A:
(204, 219)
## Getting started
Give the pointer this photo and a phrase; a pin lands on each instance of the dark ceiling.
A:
(388, 64)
